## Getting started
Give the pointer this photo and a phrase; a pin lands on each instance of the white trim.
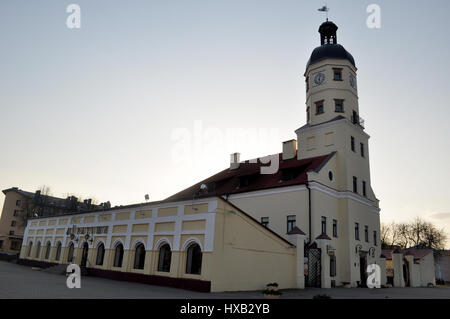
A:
(138, 241)
(270, 191)
(115, 243)
(162, 241)
(191, 240)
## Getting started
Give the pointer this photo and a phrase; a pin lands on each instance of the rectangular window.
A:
(16, 213)
(352, 143)
(290, 223)
(265, 221)
(324, 225)
(13, 223)
(332, 266)
(356, 231)
(1, 243)
(339, 106)
(11, 232)
(18, 202)
(375, 241)
(308, 116)
(337, 74)
(364, 189)
(319, 107)
(307, 83)
(335, 230)
(362, 150)
(366, 233)
(355, 184)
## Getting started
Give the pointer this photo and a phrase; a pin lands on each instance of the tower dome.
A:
(329, 48)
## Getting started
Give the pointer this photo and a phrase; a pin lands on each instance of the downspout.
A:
(309, 210)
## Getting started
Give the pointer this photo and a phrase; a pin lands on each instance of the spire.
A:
(327, 32)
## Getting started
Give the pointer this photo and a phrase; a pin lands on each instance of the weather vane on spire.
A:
(324, 9)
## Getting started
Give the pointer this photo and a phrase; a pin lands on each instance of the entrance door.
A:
(313, 278)
(363, 269)
(85, 254)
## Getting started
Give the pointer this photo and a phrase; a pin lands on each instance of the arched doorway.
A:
(84, 255)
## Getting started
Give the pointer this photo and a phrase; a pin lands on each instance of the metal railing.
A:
(356, 119)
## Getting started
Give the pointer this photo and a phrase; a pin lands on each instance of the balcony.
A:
(356, 119)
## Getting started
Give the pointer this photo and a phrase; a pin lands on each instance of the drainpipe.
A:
(309, 210)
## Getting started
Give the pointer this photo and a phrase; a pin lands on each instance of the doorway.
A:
(362, 269)
(84, 255)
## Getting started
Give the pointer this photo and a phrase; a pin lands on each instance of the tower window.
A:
(324, 225)
(375, 237)
(265, 221)
(337, 74)
(366, 233)
(362, 150)
(335, 230)
(319, 107)
(352, 141)
(307, 83)
(356, 231)
(355, 184)
(308, 116)
(290, 223)
(364, 189)
(339, 106)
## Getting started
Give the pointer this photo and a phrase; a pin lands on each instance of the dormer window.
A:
(337, 74)
(339, 106)
(245, 181)
(319, 107)
(289, 174)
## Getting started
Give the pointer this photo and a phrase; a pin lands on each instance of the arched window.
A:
(70, 254)
(118, 257)
(30, 246)
(38, 249)
(165, 256)
(194, 259)
(139, 257)
(100, 254)
(47, 250)
(58, 251)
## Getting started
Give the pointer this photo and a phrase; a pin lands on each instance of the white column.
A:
(397, 263)
(324, 263)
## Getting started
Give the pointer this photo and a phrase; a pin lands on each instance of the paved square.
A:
(17, 281)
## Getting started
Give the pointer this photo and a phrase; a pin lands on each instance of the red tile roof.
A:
(296, 231)
(417, 253)
(323, 236)
(229, 181)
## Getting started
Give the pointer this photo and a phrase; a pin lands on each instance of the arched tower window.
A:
(30, 246)
(58, 251)
(165, 256)
(194, 259)
(47, 250)
(38, 249)
(100, 254)
(139, 256)
(118, 256)
(70, 254)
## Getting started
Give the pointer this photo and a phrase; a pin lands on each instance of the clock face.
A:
(319, 78)
(353, 81)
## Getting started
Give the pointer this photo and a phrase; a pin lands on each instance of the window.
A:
(332, 266)
(319, 107)
(100, 254)
(13, 223)
(352, 143)
(47, 250)
(15, 245)
(58, 251)
(375, 241)
(139, 256)
(335, 230)
(366, 233)
(165, 257)
(30, 246)
(70, 254)
(355, 184)
(38, 250)
(330, 176)
(307, 83)
(289, 174)
(339, 106)
(337, 74)
(265, 221)
(16, 213)
(308, 116)
(1, 243)
(290, 223)
(324, 225)
(364, 189)
(118, 256)
(362, 150)
(356, 231)
(194, 260)
(11, 232)
(18, 202)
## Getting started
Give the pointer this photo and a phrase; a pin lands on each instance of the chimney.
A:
(234, 161)
(289, 149)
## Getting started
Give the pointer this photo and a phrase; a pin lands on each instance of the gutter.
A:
(309, 209)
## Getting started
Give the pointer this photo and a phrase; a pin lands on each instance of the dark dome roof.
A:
(330, 51)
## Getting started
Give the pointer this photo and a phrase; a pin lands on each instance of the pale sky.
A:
(100, 111)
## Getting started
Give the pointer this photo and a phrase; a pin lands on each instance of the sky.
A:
(150, 97)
